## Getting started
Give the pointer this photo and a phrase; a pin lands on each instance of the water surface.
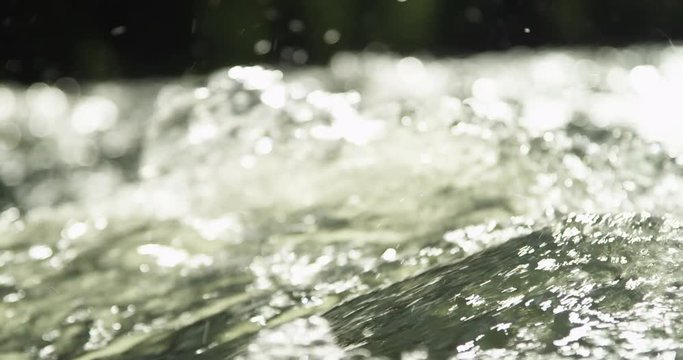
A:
(521, 204)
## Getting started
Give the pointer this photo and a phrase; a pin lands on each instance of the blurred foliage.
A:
(96, 39)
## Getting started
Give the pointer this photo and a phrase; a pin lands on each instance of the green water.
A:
(507, 205)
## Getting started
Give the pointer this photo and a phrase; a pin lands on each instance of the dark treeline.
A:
(99, 39)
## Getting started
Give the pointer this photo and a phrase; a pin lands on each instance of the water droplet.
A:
(202, 93)
(119, 30)
(263, 146)
(331, 36)
(94, 114)
(39, 252)
(389, 255)
(473, 15)
(262, 47)
(296, 26)
(7, 103)
(300, 56)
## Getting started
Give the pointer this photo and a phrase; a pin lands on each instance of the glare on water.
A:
(505, 205)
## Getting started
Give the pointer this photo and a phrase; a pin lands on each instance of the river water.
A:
(503, 205)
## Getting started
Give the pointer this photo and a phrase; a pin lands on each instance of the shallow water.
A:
(520, 204)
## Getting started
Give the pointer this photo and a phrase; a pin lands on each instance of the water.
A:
(521, 204)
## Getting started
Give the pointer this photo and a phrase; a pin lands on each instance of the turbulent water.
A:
(506, 205)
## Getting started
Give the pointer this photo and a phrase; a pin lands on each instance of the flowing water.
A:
(505, 205)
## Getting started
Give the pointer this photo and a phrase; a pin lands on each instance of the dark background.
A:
(101, 39)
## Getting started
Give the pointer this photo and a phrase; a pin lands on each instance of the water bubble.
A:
(485, 89)
(552, 71)
(114, 144)
(645, 79)
(7, 103)
(80, 152)
(46, 101)
(10, 136)
(94, 113)
(255, 77)
(12, 172)
(275, 97)
(409, 67)
(248, 162)
(46, 104)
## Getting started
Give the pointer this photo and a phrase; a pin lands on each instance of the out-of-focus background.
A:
(103, 39)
